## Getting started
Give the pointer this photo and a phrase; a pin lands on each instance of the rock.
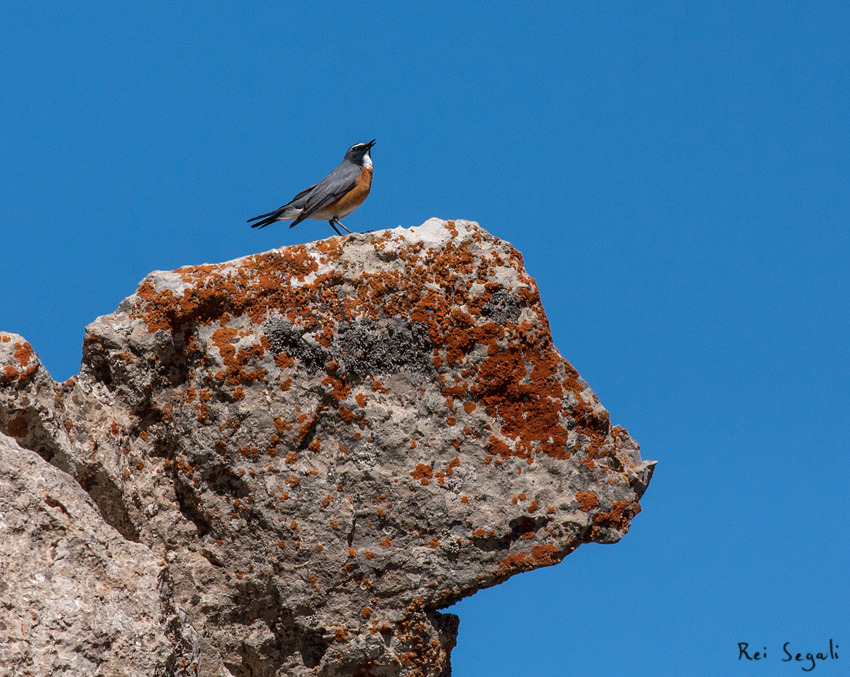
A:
(77, 598)
(324, 445)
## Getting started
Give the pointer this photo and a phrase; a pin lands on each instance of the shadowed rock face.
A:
(325, 444)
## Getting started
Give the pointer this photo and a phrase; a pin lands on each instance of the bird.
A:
(337, 195)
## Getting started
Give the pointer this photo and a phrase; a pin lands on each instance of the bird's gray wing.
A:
(295, 203)
(331, 188)
(302, 197)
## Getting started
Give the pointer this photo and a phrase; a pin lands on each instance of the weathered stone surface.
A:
(328, 443)
(76, 597)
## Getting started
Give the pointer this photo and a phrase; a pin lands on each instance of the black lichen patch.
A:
(397, 345)
(363, 348)
(295, 341)
(502, 307)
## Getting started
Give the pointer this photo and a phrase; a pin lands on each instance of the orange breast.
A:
(353, 199)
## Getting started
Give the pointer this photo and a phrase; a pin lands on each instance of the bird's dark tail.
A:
(285, 213)
(268, 218)
(262, 216)
(265, 222)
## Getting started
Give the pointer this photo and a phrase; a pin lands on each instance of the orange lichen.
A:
(544, 554)
(455, 390)
(497, 447)
(515, 562)
(618, 517)
(587, 500)
(423, 473)
(222, 339)
(281, 425)
(305, 430)
(283, 360)
(23, 353)
(529, 403)
(339, 389)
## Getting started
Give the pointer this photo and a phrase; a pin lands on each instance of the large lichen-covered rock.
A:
(328, 443)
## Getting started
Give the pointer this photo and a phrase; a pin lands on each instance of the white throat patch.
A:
(367, 161)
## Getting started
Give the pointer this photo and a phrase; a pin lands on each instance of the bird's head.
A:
(359, 153)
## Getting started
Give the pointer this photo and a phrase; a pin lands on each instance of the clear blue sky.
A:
(675, 174)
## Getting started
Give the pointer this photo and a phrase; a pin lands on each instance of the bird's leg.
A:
(339, 223)
(334, 227)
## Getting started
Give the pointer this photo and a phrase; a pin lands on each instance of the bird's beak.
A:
(370, 144)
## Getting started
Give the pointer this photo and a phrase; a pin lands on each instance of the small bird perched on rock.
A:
(337, 195)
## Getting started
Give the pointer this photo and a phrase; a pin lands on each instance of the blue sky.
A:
(675, 174)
